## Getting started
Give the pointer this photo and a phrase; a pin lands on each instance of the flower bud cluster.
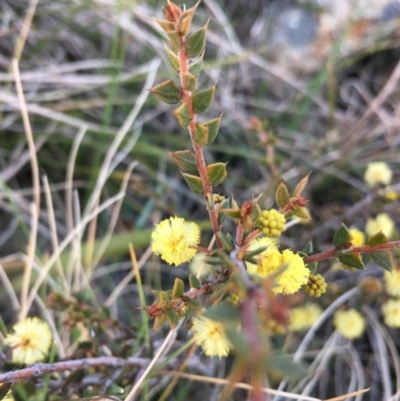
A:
(271, 223)
(316, 285)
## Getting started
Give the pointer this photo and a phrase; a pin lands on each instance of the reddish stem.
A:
(335, 252)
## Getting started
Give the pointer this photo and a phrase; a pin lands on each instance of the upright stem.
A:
(198, 150)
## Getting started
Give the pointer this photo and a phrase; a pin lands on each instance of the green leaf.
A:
(195, 67)
(308, 248)
(182, 115)
(301, 185)
(352, 260)
(172, 58)
(213, 127)
(178, 289)
(226, 241)
(377, 239)
(255, 252)
(196, 42)
(166, 25)
(193, 303)
(342, 236)
(194, 281)
(158, 321)
(223, 312)
(201, 134)
(282, 195)
(238, 341)
(286, 365)
(216, 173)
(164, 296)
(190, 81)
(383, 259)
(194, 183)
(232, 213)
(302, 213)
(185, 20)
(174, 40)
(202, 100)
(167, 91)
(172, 318)
(312, 267)
(185, 159)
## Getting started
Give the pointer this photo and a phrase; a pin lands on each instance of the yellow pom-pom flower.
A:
(272, 223)
(210, 335)
(378, 173)
(175, 240)
(30, 341)
(349, 323)
(303, 317)
(358, 237)
(294, 274)
(383, 223)
(391, 313)
(392, 282)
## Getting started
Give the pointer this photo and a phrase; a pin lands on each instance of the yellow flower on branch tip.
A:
(30, 341)
(358, 237)
(294, 274)
(392, 282)
(349, 323)
(303, 317)
(175, 240)
(383, 223)
(378, 173)
(391, 313)
(210, 335)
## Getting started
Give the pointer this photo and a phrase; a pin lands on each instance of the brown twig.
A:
(335, 252)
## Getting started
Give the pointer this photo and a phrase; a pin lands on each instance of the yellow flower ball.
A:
(378, 173)
(383, 223)
(349, 323)
(303, 317)
(392, 282)
(294, 274)
(210, 335)
(391, 313)
(30, 341)
(175, 240)
(358, 237)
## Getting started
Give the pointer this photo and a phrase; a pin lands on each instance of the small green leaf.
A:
(377, 239)
(308, 248)
(185, 159)
(223, 312)
(194, 281)
(216, 173)
(312, 267)
(201, 134)
(167, 91)
(182, 115)
(179, 288)
(195, 67)
(383, 259)
(202, 100)
(172, 318)
(255, 252)
(282, 195)
(172, 58)
(174, 40)
(301, 185)
(226, 241)
(190, 81)
(158, 321)
(352, 260)
(232, 213)
(302, 213)
(193, 303)
(166, 25)
(196, 42)
(213, 127)
(342, 236)
(194, 183)
(164, 296)
(185, 20)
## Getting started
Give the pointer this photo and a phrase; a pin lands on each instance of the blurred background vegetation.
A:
(304, 86)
